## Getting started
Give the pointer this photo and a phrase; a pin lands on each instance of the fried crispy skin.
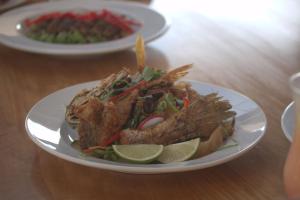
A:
(216, 139)
(85, 95)
(90, 116)
(99, 121)
(198, 120)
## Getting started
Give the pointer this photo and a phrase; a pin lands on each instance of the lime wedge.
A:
(138, 153)
(179, 152)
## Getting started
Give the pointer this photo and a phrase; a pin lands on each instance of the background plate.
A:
(288, 121)
(47, 128)
(154, 25)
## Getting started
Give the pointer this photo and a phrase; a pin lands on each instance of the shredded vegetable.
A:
(78, 27)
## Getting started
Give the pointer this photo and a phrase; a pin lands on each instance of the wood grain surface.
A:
(250, 46)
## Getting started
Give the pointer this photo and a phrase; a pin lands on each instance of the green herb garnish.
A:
(162, 106)
(151, 74)
(170, 99)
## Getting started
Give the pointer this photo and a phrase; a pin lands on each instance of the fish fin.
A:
(177, 73)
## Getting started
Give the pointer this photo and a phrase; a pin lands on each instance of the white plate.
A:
(154, 25)
(47, 128)
(288, 121)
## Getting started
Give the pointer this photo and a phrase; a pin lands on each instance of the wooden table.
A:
(250, 46)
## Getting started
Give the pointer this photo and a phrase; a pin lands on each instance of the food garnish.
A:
(79, 27)
(146, 109)
(138, 153)
(179, 152)
(150, 121)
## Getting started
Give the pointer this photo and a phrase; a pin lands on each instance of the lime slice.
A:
(138, 153)
(179, 152)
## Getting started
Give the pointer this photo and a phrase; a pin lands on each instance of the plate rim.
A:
(6, 40)
(283, 126)
(11, 4)
(140, 169)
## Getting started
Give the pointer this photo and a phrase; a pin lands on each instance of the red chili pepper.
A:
(68, 15)
(93, 15)
(123, 25)
(44, 18)
(126, 92)
(39, 19)
(186, 102)
(114, 138)
(86, 17)
(27, 22)
(118, 21)
(90, 149)
(80, 17)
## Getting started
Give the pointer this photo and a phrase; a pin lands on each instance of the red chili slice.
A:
(126, 92)
(111, 140)
(186, 102)
(90, 149)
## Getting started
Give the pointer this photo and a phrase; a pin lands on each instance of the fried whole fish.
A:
(116, 110)
(97, 118)
(204, 115)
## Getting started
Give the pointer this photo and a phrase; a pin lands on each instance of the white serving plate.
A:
(288, 121)
(154, 25)
(47, 128)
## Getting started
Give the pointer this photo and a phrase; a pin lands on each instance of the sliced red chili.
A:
(111, 140)
(186, 102)
(126, 92)
(90, 149)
